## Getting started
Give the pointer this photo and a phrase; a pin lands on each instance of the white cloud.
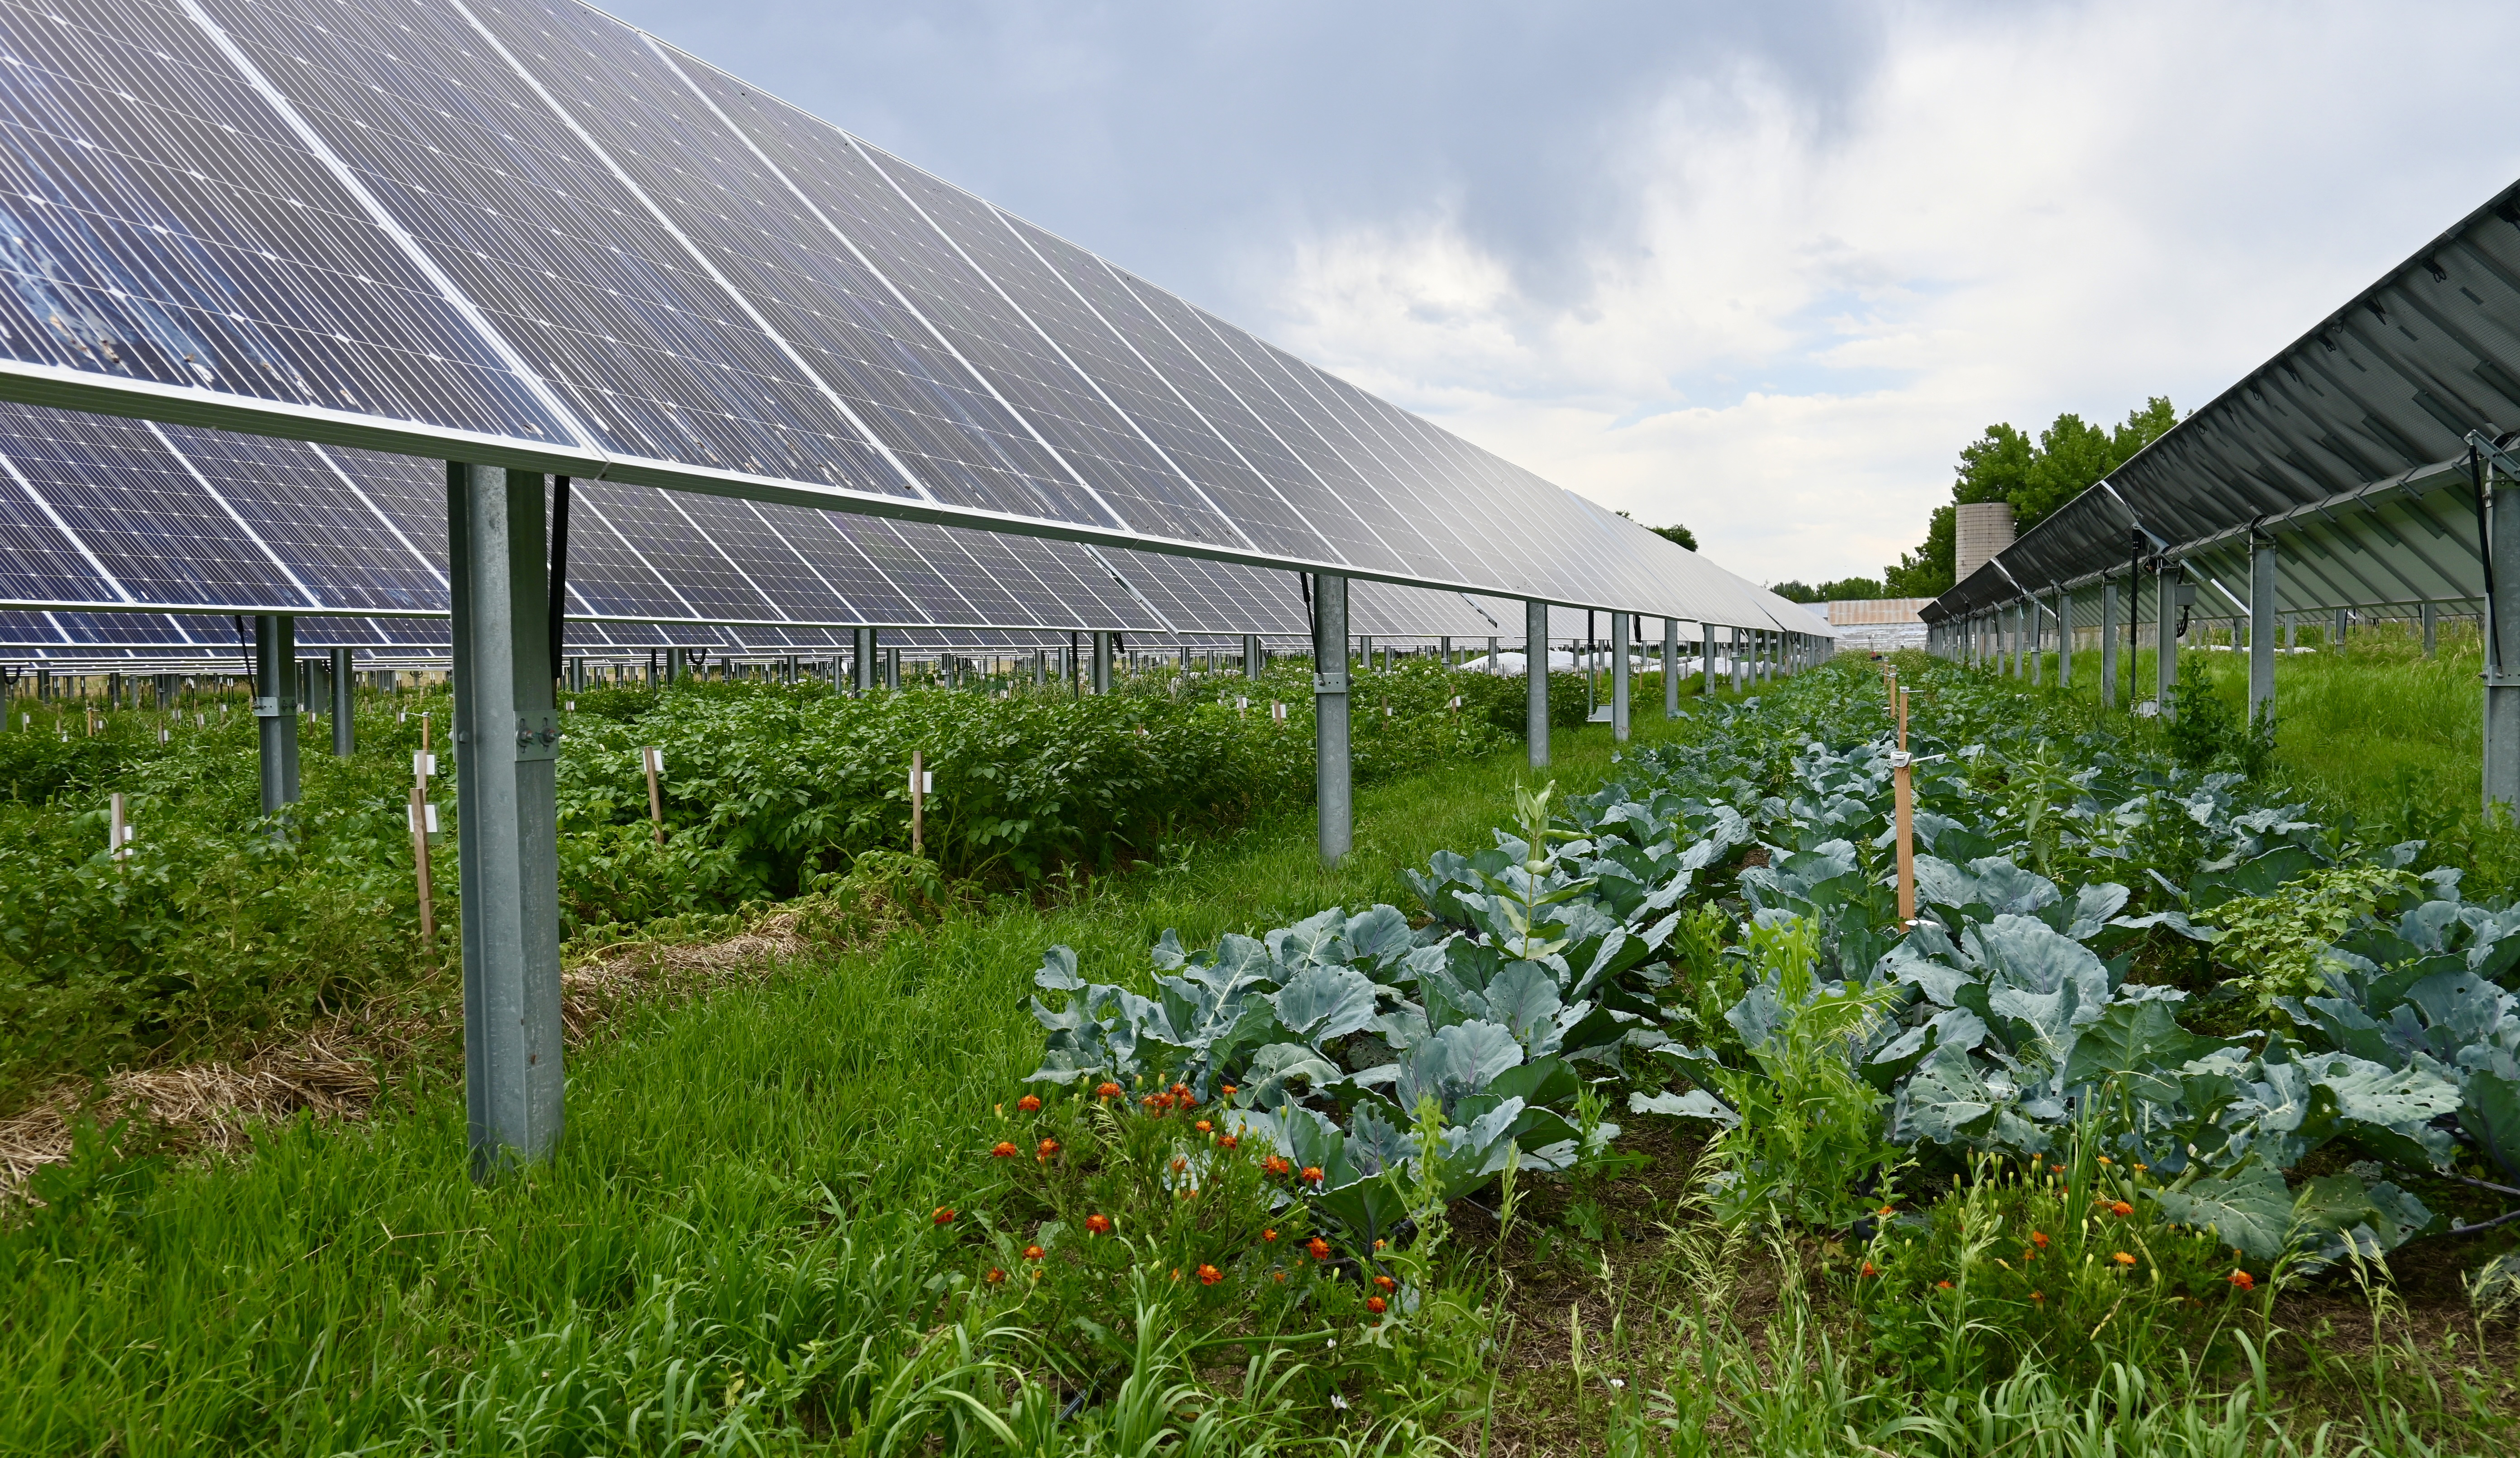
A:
(1804, 318)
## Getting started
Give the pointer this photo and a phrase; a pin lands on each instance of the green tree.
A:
(1675, 534)
(2036, 476)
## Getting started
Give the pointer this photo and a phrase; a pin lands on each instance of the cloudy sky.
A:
(1758, 268)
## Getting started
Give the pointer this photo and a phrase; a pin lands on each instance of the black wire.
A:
(559, 572)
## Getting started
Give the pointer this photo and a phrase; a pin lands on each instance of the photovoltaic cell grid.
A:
(527, 233)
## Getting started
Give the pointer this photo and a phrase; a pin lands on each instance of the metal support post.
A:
(1706, 655)
(507, 744)
(2432, 627)
(2502, 644)
(863, 666)
(1535, 674)
(1251, 655)
(2108, 643)
(275, 709)
(345, 740)
(1670, 669)
(2064, 638)
(1101, 663)
(892, 669)
(2037, 643)
(1620, 624)
(2344, 620)
(2170, 591)
(2263, 588)
(1331, 783)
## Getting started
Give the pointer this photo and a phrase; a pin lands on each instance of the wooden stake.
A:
(420, 861)
(1906, 805)
(652, 759)
(118, 830)
(917, 805)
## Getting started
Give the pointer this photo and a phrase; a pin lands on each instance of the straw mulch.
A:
(332, 1070)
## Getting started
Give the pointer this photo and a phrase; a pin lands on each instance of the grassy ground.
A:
(734, 1250)
(741, 1204)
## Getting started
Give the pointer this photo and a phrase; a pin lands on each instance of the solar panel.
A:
(525, 233)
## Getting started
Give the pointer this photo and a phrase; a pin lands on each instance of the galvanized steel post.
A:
(2503, 646)
(2431, 612)
(2064, 637)
(344, 730)
(507, 740)
(275, 709)
(2108, 643)
(1251, 655)
(1101, 663)
(2263, 588)
(1706, 655)
(1620, 624)
(1535, 676)
(1331, 783)
(2169, 592)
(1670, 669)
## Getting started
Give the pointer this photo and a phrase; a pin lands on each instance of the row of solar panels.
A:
(527, 234)
(101, 516)
(2347, 449)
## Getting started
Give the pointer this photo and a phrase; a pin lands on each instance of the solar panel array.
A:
(2347, 448)
(527, 234)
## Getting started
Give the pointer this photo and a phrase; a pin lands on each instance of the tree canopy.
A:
(2036, 476)
(1675, 534)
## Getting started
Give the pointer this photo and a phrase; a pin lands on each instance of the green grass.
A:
(743, 1196)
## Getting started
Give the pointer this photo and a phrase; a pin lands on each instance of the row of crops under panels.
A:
(2154, 1031)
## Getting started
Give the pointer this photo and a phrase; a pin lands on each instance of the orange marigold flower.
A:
(1868, 1270)
(2039, 1295)
(1268, 1235)
(2039, 1237)
(2244, 1281)
(2121, 1208)
(1887, 1209)
(1228, 1141)
(2105, 1160)
(1028, 1103)
(1097, 1224)
(1005, 1149)
(1319, 1248)
(1209, 1275)
(2123, 1259)
(944, 1214)
(1275, 1166)
(994, 1276)
(1048, 1147)
(1181, 1091)
(2028, 1255)
(1386, 1283)
(1376, 1305)
(1282, 1277)
(1942, 1285)
(1229, 1090)
(1034, 1253)
(1313, 1174)
(1205, 1127)
(1180, 1163)
(1108, 1090)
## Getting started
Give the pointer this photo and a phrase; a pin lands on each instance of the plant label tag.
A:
(572, 705)
(924, 781)
(1277, 711)
(652, 761)
(424, 820)
(424, 765)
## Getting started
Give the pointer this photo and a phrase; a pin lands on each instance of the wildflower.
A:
(2244, 1281)
(1282, 1277)
(994, 1276)
(1228, 1141)
(1048, 1147)
(2140, 1167)
(1181, 1091)
(1376, 1305)
(1868, 1270)
(1180, 1163)
(1312, 1174)
(2039, 1237)
(1205, 1127)
(1275, 1166)
(2105, 1160)
(1887, 1209)
(1097, 1224)
(1176, 1273)
(1034, 1253)
(944, 1214)
(1004, 1149)
(1319, 1248)
(1942, 1285)
(1028, 1103)
(1107, 1090)
(1268, 1235)
(2123, 1259)
(2039, 1296)
(1386, 1283)
(1377, 1245)
(1229, 1090)
(1209, 1275)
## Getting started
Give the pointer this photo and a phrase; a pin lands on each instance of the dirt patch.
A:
(335, 1069)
